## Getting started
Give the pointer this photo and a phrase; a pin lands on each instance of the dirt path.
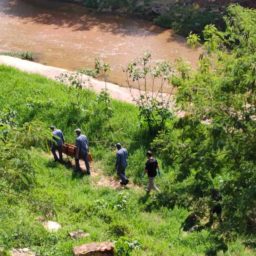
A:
(98, 178)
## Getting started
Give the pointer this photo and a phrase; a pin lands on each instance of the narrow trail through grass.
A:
(97, 174)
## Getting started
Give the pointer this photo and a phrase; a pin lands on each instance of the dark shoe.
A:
(78, 169)
(123, 183)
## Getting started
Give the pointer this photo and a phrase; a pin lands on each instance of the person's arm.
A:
(146, 167)
(87, 144)
(118, 160)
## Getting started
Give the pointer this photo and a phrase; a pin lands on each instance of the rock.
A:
(94, 249)
(78, 234)
(22, 252)
(51, 226)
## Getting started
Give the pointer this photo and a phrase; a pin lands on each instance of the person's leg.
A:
(87, 164)
(121, 174)
(150, 184)
(60, 153)
(125, 178)
(53, 150)
(154, 185)
(77, 165)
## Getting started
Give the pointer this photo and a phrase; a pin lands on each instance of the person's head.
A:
(118, 146)
(78, 131)
(149, 154)
(52, 127)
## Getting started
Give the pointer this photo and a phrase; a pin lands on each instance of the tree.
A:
(214, 145)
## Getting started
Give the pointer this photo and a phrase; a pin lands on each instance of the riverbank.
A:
(115, 91)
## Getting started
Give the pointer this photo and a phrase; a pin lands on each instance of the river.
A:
(70, 36)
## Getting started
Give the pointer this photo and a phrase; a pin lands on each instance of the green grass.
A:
(78, 203)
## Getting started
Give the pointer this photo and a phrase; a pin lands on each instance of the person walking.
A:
(82, 149)
(121, 163)
(57, 143)
(151, 168)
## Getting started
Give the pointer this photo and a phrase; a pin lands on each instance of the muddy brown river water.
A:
(71, 36)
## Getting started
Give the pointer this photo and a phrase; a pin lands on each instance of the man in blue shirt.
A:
(82, 149)
(57, 143)
(121, 163)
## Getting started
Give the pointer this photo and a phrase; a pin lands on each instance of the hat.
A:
(52, 127)
(78, 130)
(118, 145)
(149, 153)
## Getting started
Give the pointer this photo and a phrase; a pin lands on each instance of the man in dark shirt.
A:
(82, 148)
(151, 169)
(121, 163)
(57, 143)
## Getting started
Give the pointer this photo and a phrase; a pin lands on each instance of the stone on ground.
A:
(78, 234)
(22, 252)
(51, 226)
(94, 249)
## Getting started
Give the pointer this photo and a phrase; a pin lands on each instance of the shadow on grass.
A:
(52, 164)
(144, 138)
(76, 174)
(144, 199)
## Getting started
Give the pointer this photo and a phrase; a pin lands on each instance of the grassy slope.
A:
(105, 213)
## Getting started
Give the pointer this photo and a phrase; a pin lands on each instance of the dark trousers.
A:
(121, 173)
(87, 164)
(59, 149)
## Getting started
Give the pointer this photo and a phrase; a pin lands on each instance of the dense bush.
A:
(214, 145)
(184, 18)
(113, 4)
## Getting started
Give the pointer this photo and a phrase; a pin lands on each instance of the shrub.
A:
(124, 247)
(153, 103)
(211, 147)
(22, 55)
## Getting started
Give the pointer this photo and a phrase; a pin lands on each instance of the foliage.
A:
(153, 102)
(26, 55)
(193, 40)
(102, 5)
(213, 145)
(184, 18)
(124, 247)
(74, 79)
(101, 69)
(17, 173)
